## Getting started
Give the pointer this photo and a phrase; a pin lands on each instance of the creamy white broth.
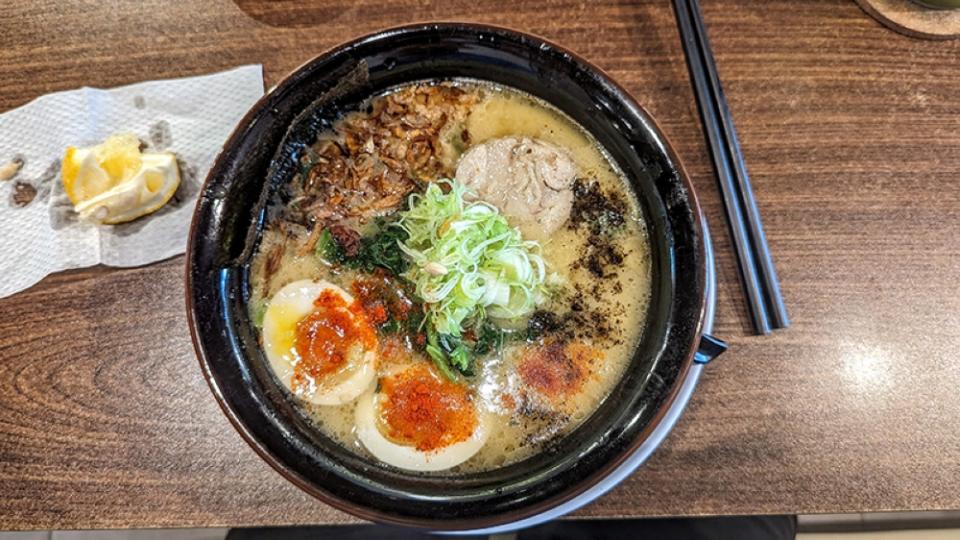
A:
(612, 308)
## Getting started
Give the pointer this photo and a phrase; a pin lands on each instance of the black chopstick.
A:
(777, 311)
(760, 283)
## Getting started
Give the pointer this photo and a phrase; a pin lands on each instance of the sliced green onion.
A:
(486, 268)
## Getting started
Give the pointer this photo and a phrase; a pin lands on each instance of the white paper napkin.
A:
(191, 117)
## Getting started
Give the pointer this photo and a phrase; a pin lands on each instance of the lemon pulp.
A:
(114, 182)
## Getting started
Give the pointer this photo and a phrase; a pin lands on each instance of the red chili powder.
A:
(426, 411)
(326, 335)
(556, 370)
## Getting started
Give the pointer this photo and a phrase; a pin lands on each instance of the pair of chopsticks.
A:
(764, 300)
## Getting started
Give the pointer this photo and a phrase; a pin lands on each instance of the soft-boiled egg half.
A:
(319, 342)
(418, 420)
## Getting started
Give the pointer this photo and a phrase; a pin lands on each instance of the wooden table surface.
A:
(851, 133)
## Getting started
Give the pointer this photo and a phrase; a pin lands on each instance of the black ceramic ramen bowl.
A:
(263, 153)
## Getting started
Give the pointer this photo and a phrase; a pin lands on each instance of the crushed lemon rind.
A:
(114, 182)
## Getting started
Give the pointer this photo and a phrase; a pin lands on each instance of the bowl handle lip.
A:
(710, 347)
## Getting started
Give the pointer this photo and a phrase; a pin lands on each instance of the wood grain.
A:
(851, 134)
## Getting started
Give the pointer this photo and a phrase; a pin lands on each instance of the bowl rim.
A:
(451, 524)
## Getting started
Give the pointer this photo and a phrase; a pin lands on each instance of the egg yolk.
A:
(325, 337)
(425, 411)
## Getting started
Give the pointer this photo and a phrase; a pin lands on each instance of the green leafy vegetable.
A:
(437, 354)
(457, 353)
(392, 326)
(490, 338)
(259, 312)
(328, 249)
(381, 250)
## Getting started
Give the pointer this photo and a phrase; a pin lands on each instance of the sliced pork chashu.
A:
(528, 180)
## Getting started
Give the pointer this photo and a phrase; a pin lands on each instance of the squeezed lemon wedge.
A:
(114, 182)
